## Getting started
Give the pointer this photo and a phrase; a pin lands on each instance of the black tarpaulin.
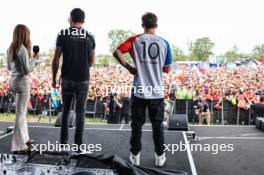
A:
(120, 166)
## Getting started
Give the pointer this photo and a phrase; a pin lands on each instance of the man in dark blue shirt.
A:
(78, 49)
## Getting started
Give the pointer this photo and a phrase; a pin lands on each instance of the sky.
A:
(226, 22)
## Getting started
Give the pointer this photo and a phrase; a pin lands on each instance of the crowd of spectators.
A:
(242, 86)
(239, 85)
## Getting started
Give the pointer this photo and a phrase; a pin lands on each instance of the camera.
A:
(111, 94)
(260, 92)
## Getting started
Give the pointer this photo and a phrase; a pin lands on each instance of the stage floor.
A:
(246, 158)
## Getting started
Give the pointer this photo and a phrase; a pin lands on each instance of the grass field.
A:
(45, 119)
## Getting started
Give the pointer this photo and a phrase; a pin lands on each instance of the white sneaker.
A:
(160, 160)
(82, 152)
(135, 159)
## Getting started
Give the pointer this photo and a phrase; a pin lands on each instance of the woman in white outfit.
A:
(19, 53)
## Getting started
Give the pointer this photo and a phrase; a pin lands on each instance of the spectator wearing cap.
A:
(203, 111)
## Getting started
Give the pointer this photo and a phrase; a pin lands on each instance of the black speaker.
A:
(72, 116)
(178, 122)
(262, 126)
(259, 121)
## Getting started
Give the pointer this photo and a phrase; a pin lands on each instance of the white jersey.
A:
(150, 54)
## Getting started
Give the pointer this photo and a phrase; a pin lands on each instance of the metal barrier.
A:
(91, 106)
(229, 114)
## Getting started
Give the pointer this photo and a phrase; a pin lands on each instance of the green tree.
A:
(177, 54)
(233, 55)
(116, 37)
(201, 49)
(105, 60)
(2, 60)
(258, 51)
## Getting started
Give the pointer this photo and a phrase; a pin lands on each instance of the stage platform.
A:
(246, 158)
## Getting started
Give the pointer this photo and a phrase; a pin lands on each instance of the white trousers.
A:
(20, 87)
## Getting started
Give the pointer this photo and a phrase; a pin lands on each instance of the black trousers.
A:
(69, 90)
(138, 116)
(126, 116)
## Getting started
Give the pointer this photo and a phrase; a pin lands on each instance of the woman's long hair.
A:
(21, 36)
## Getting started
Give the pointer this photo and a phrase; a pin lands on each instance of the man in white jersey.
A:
(152, 56)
